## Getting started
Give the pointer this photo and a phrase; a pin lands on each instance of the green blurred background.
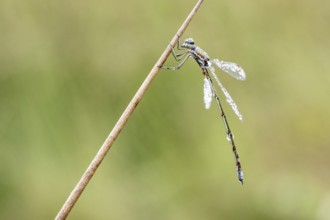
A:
(69, 68)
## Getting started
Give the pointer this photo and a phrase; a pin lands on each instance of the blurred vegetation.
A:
(69, 68)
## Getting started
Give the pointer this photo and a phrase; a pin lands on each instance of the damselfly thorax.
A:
(197, 53)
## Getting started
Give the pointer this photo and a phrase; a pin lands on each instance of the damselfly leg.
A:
(178, 57)
(185, 58)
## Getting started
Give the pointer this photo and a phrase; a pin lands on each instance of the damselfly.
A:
(191, 50)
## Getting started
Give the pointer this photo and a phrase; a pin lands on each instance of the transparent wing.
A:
(232, 69)
(207, 93)
(229, 99)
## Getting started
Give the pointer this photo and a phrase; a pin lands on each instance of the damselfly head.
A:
(189, 41)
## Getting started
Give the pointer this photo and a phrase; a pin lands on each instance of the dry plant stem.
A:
(81, 185)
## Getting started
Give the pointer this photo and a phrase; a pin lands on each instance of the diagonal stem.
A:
(87, 176)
